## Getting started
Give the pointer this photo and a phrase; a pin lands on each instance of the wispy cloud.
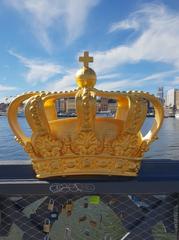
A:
(4, 88)
(120, 85)
(157, 40)
(124, 25)
(76, 14)
(109, 76)
(37, 70)
(67, 82)
(138, 82)
(161, 75)
(114, 81)
(47, 15)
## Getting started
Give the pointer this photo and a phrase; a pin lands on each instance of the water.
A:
(167, 147)
(9, 148)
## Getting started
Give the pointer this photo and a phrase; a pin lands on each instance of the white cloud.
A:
(47, 15)
(109, 76)
(115, 82)
(124, 25)
(161, 75)
(37, 70)
(119, 85)
(137, 82)
(157, 40)
(67, 82)
(76, 15)
(4, 88)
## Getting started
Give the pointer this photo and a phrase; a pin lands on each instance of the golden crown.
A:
(86, 144)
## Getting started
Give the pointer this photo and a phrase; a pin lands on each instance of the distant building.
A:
(58, 104)
(61, 105)
(150, 107)
(98, 104)
(112, 105)
(160, 94)
(171, 98)
(177, 99)
(3, 107)
(70, 105)
(101, 104)
(104, 104)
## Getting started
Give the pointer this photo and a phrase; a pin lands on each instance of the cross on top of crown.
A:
(86, 59)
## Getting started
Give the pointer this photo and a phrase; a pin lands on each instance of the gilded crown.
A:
(86, 144)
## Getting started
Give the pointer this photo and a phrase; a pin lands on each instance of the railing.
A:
(79, 208)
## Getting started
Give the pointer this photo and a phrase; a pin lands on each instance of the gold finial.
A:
(86, 59)
(86, 77)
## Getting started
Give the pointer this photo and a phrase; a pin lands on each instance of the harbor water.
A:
(167, 147)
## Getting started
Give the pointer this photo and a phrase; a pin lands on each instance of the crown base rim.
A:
(115, 167)
(83, 174)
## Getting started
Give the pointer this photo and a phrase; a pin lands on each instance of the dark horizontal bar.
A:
(155, 176)
(82, 187)
(151, 170)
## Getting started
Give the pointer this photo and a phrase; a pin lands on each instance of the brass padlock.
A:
(62, 208)
(69, 207)
(51, 205)
(54, 214)
(46, 226)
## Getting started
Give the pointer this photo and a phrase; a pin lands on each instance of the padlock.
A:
(70, 202)
(85, 203)
(54, 214)
(93, 223)
(46, 226)
(69, 207)
(62, 208)
(51, 205)
(82, 219)
(67, 234)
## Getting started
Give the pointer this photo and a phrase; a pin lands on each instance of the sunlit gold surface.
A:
(87, 144)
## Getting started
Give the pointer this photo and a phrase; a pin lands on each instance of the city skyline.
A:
(106, 106)
(134, 44)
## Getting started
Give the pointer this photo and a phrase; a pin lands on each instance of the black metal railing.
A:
(99, 208)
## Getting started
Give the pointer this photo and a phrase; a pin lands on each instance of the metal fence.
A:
(75, 216)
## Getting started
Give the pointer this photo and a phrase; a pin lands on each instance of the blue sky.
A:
(135, 44)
